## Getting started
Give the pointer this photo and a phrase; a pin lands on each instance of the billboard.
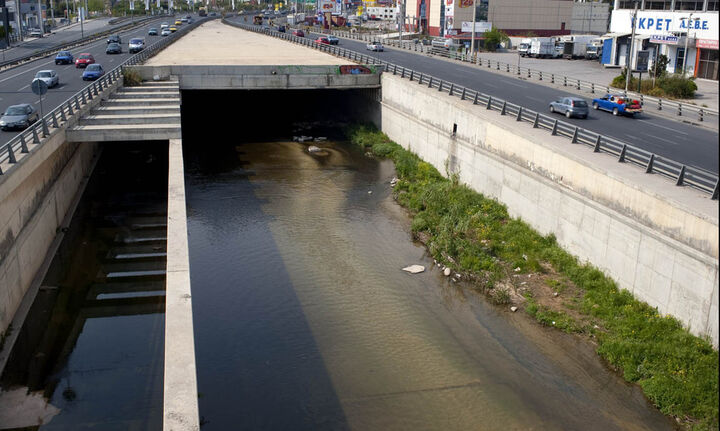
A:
(480, 27)
(325, 6)
(643, 59)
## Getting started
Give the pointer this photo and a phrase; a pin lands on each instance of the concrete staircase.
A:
(145, 113)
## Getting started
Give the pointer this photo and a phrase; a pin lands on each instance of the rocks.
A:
(301, 138)
(447, 271)
(517, 269)
(314, 149)
(513, 308)
(414, 269)
(393, 182)
(369, 192)
(555, 294)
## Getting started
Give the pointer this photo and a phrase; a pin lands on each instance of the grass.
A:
(471, 233)
(131, 77)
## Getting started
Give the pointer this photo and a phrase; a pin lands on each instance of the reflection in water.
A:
(304, 320)
(89, 355)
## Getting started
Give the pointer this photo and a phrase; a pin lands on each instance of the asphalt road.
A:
(15, 83)
(685, 143)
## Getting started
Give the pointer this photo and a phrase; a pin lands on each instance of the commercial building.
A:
(684, 31)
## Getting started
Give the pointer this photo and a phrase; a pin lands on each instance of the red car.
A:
(84, 59)
(298, 33)
(322, 39)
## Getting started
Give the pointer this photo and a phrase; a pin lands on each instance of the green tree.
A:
(660, 66)
(495, 37)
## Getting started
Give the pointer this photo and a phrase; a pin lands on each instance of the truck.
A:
(575, 46)
(594, 49)
(524, 47)
(542, 47)
(202, 11)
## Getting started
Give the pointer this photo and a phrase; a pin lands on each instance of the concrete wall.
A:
(656, 240)
(259, 77)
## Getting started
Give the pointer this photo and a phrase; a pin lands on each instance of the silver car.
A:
(374, 46)
(570, 106)
(50, 77)
(18, 117)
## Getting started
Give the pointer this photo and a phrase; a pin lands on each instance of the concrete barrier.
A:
(656, 240)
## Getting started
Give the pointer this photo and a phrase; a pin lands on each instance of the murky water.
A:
(304, 320)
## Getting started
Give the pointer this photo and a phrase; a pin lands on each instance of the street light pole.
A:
(688, 23)
(472, 36)
(628, 73)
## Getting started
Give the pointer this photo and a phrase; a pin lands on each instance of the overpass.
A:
(660, 242)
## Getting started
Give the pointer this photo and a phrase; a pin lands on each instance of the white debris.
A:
(314, 149)
(517, 269)
(513, 308)
(369, 192)
(447, 271)
(414, 269)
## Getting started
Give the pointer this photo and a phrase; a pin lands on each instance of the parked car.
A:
(93, 72)
(114, 38)
(165, 32)
(281, 28)
(298, 33)
(36, 32)
(570, 106)
(189, 21)
(323, 40)
(164, 25)
(153, 32)
(18, 117)
(136, 45)
(50, 77)
(183, 20)
(113, 48)
(84, 59)
(374, 46)
(173, 29)
(333, 40)
(618, 104)
(64, 57)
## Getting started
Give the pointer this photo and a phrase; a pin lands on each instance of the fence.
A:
(37, 133)
(680, 174)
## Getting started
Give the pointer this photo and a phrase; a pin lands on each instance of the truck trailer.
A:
(542, 47)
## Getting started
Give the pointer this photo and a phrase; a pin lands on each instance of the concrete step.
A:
(140, 102)
(159, 83)
(124, 132)
(152, 89)
(145, 95)
(110, 120)
(136, 110)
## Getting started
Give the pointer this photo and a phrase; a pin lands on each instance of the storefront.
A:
(706, 66)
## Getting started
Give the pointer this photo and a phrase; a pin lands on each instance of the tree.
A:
(660, 66)
(495, 37)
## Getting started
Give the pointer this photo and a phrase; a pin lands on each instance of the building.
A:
(662, 28)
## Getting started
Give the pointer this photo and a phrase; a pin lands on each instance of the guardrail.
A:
(680, 174)
(578, 84)
(8, 64)
(38, 132)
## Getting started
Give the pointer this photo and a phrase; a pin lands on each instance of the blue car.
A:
(93, 72)
(64, 57)
(618, 104)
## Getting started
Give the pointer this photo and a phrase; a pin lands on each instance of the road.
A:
(15, 83)
(685, 143)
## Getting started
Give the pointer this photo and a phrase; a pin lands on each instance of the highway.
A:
(15, 83)
(685, 143)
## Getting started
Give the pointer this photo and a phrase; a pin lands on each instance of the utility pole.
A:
(688, 24)
(628, 63)
(41, 24)
(472, 35)
(401, 3)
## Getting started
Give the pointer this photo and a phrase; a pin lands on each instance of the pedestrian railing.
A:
(679, 173)
(35, 135)
(679, 108)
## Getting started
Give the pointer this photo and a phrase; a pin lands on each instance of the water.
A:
(304, 320)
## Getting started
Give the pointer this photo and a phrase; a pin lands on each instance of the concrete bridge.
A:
(658, 242)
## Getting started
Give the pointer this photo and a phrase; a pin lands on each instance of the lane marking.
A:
(513, 83)
(22, 88)
(664, 127)
(662, 139)
(535, 99)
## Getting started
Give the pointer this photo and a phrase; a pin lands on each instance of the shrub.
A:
(131, 77)
(674, 86)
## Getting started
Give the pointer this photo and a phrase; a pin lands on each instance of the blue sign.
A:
(663, 24)
(661, 38)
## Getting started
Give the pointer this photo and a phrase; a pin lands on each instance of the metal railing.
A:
(38, 132)
(680, 108)
(680, 174)
(9, 64)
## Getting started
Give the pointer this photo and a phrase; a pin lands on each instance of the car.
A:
(115, 38)
(113, 48)
(374, 46)
(64, 57)
(323, 40)
(571, 106)
(183, 20)
(84, 59)
(36, 32)
(618, 104)
(50, 77)
(213, 14)
(188, 17)
(153, 32)
(333, 40)
(93, 72)
(165, 32)
(164, 25)
(136, 45)
(173, 29)
(281, 28)
(298, 33)
(189, 21)
(18, 117)
(178, 22)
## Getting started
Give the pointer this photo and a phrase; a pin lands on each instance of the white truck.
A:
(542, 47)
(575, 46)
(524, 47)
(594, 49)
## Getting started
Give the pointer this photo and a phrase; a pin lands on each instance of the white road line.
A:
(22, 88)
(664, 127)
(632, 137)
(513, 83)
(535, 99)
(662, 139)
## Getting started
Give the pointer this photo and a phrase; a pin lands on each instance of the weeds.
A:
(131, 77)
(677, 371)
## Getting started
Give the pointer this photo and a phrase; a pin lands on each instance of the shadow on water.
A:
(89, 355)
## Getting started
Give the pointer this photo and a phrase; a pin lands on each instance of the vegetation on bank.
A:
(475, 235)
(665, 84)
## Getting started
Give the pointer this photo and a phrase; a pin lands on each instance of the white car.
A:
(374, 46)
(50, 77)
(165, 32)
(164, 25)
(136, 45)
(36, 32)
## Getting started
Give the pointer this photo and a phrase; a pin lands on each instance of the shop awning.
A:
(615, 35)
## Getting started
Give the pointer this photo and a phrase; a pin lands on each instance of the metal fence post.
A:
(36, 139)
(536, 121)
(715, 191)
(462, 96)
(412, 72)
(554, 128)
(701, 113)
(11, 155)
(475, 100)
(681, 177)
(592, 87)
(679, 110)
(452, 87)
(578, 84)
(489, 103)
(441, 85)
(575, 136)
(552, 78)
(70, 109)
(23, 144)
(519, 114)
(45, 130)
(54, 120)
(621, 159)
(659, 108)
(502, 110)
(62, 114)
(564, 81)
(540, 75)
(649, 167)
